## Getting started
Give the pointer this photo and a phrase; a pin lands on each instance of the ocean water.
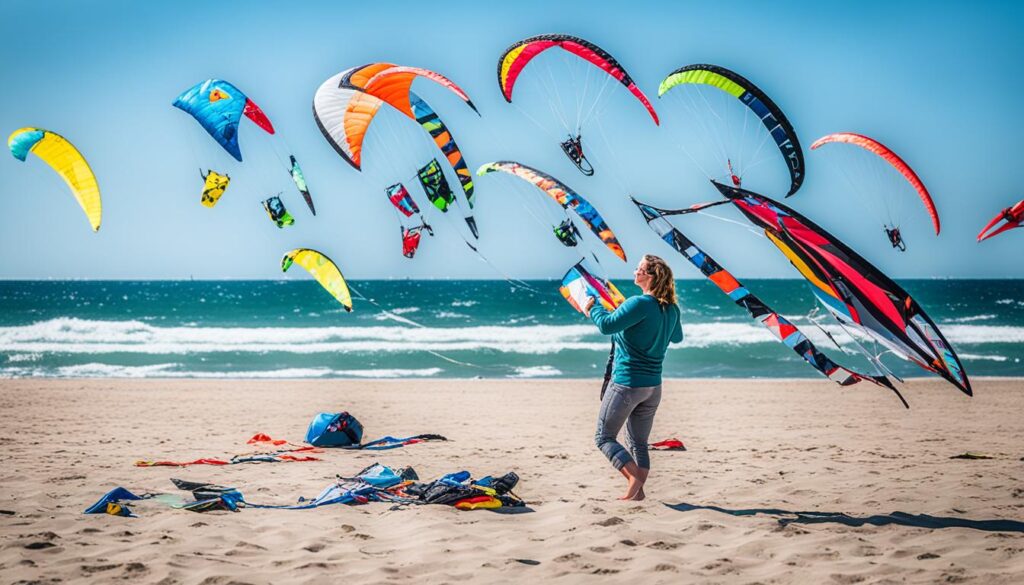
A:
(442, 329)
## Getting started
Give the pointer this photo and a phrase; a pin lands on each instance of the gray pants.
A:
(634, 407)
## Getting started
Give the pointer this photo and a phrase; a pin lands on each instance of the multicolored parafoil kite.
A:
(218, 106)
(345, 105)
(565, 197)
(517, 56)
(758, 102)
(323, 269)
(579, 283)
(435, 185)
(65, 159)
(783, 329)
(877, 148)
(1013, 216)
(406, 207)
(856, 293)
(584, 94)
(300, 182)
(399, 196)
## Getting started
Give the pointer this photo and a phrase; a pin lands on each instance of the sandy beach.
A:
(788, 445)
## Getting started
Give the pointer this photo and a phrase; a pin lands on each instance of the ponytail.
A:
(663, 285)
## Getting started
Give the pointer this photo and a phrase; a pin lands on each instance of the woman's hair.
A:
(663, 286)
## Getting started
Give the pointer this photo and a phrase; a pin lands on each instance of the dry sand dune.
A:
(791, 445)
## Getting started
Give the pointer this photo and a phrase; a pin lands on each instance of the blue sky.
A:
(937, 80)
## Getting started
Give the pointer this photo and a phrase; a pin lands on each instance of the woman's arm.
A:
(677, 332)
(628, 314)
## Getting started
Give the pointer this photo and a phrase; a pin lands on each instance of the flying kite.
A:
(856, 293)
(276, 210)
(399, 197)
(755, 101)
(323, 269)
(300, 182)
(907, 176)
(64, 158)
(214, 185)
(515, 58)
(219, 106)
(565, 197)
(346, 104)
(784, 330)
(1013, 216)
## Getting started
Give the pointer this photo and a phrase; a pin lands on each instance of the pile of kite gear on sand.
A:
(376, 483)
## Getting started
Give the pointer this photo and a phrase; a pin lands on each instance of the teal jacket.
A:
(642, 330)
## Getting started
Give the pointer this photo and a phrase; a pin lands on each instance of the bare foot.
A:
(635, 488)
(637, 479)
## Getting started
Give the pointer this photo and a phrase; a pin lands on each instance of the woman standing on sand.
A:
(641, 327)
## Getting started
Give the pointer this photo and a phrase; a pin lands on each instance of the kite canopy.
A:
(343, 114)
(214, 185)
(565, 197)
(854, 291)
(345, 105)
(113, 503)
(875, 147)
(64, 158)
(435, 185)
(323, 270)
(399, 196)
(218, 106)
(751, 96)
(1013, 216)
(300, 183)
(784, 330)
(579, 283)
(515, 58)
(392, 83)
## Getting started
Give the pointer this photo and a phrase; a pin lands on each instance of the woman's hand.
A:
(589, 305)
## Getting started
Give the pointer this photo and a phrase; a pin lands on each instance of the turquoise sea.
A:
(278, 329)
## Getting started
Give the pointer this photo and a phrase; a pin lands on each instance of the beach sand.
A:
(793, 445)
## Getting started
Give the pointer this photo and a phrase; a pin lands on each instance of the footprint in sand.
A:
(530, 562)
(315, 547)
(90, 569)
(39, 545)
(664, 567)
